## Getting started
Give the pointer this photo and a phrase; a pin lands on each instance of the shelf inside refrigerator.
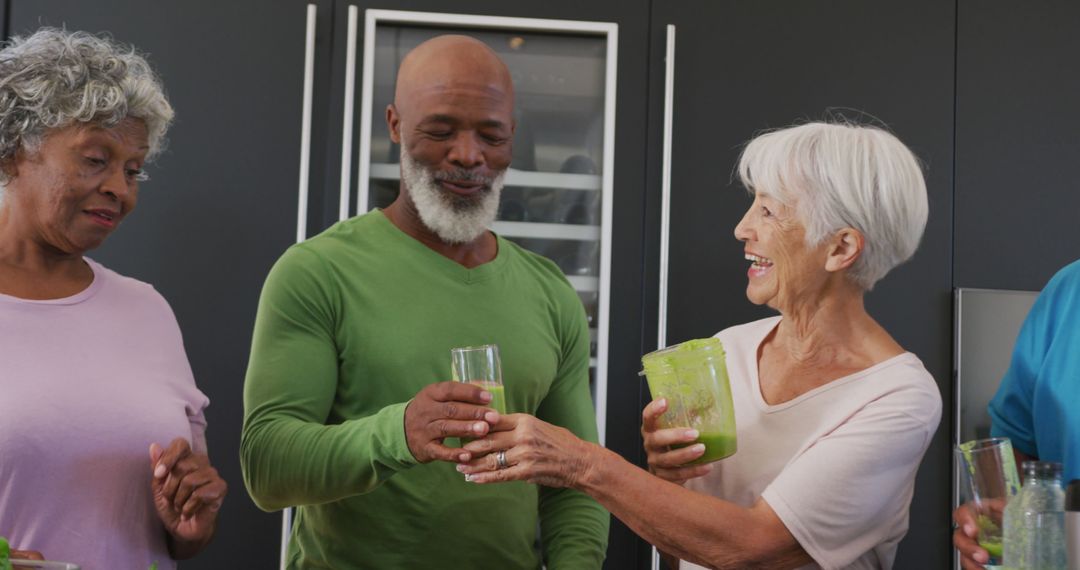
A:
(514, 177)
(537, 230)
(584, 282)
(578, 260)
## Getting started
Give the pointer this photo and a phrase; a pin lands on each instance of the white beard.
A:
(455, 219)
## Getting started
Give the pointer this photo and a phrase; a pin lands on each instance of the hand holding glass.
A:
(480, 366)
(988, 473)
(692, 376)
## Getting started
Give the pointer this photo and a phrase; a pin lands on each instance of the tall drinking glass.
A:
(480, 365)
(988, 474)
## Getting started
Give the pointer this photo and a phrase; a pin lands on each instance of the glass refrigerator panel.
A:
(551, 202)
(559, 95)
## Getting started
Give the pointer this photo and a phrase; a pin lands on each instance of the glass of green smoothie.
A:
(480, 365)
(988, 477)
(692, 376)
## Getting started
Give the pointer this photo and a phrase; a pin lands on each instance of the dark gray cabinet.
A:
(742, 67)
(1017, 139)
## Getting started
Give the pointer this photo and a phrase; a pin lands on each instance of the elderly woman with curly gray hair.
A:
(102, 432)
(832, 415)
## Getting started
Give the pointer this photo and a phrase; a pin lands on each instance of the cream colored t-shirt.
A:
(837, 464)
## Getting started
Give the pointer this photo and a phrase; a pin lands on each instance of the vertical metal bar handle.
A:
(366, 89)
(607, 205)
(301, 209)
(347, 130)
(286, 530)
(665, 206)
(958, 300)
(665, 187)
(305, 128)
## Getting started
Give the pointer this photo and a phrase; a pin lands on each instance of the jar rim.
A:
(689, 348)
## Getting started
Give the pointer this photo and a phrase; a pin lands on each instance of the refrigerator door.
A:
(986, 324)
(557, 199)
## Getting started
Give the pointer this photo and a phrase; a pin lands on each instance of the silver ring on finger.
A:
(500, 460)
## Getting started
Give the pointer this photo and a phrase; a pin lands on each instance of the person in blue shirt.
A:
(1037, 405)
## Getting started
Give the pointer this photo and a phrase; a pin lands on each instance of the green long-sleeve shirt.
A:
(351, 325)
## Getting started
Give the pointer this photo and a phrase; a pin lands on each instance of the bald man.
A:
(348, 414)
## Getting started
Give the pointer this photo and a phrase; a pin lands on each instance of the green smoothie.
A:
(498, 395)
(994, 548)
(717, 446)
(692, 376)
(497, 403)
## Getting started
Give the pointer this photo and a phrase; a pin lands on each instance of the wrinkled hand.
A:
(446, 409)
(536, 452)
(665, 462)
(188, 492)
(972, 556)
(26, 555)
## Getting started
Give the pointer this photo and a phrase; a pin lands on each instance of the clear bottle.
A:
(1035, 520)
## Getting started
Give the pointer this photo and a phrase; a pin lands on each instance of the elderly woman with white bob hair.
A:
(102, 433)
(832, 415)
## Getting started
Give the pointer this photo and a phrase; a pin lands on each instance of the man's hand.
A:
(446, 409)
(188, 493)
(665, 462)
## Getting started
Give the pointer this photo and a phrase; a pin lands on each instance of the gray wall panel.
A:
(1017, 139)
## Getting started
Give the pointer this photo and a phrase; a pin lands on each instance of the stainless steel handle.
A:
(665, 187)
(665, 206)
(286, 530)
(305, 126)
(366, 89)
(347, 130)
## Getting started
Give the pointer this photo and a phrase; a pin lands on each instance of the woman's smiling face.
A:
(784, 270)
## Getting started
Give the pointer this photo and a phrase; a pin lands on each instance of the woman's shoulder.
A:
(136, 294)
(907, 369)
(1068, 275)
(1063, 289)
(751, 333)
(904, 382)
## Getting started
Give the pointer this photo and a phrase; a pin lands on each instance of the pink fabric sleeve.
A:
(842, 496)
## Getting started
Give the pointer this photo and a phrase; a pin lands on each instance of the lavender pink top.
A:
(87, 383)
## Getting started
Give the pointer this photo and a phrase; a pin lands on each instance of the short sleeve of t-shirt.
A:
(844, 495)
(1035, 405)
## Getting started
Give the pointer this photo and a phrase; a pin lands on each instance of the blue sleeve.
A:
(1011, 410)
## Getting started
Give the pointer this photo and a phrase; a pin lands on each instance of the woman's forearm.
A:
(694, 527)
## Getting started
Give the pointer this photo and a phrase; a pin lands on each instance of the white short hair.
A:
(838, 175)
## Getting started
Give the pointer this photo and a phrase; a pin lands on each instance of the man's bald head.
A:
(451, 61)
(453, 114)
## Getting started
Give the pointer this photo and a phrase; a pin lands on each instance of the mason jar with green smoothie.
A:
(692, 377)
